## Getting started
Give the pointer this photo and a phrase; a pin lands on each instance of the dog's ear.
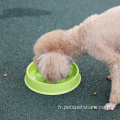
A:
(54, 66)
(35, 61)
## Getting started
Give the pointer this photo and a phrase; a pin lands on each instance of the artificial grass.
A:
(21, 23)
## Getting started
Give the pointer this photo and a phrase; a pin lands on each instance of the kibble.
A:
(5, 75)
(95, 107)
(94, 93)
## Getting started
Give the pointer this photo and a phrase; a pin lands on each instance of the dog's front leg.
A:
(109, 57)
(115, 90)
(114, 67)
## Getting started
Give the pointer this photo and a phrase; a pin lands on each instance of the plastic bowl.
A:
(35, 81)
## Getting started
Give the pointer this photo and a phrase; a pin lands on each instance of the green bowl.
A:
(35, 81)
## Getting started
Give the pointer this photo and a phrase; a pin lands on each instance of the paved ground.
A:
(21, 23)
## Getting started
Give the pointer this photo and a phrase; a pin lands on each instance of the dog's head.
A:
(54, 66)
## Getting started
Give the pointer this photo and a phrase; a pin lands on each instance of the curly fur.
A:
(98, 36)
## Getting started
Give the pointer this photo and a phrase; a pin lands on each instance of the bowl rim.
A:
(52, 93)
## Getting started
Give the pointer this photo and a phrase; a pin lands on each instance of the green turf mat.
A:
(21, 23)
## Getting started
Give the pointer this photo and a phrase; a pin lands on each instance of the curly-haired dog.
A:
(98, 36)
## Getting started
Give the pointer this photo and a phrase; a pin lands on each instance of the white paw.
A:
(109, 106)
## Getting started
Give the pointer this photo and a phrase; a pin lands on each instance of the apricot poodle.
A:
(97, 36)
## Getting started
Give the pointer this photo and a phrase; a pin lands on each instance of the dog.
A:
(97, 36)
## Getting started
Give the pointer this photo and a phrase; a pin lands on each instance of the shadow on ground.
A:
(20, 12)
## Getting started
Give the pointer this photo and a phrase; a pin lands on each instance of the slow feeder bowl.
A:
(35, 81)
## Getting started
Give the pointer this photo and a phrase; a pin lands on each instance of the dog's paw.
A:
(109, 77)
(109, 106)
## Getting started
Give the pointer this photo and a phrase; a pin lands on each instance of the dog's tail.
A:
(54, 66)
